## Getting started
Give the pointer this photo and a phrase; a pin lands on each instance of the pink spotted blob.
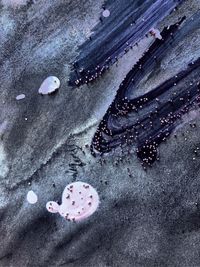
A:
(79, 201)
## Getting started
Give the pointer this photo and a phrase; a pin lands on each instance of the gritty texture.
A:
(114, 36)
(145, 218)
(149, 119)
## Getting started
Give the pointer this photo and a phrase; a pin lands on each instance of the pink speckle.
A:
(79, 201)
(156, 33)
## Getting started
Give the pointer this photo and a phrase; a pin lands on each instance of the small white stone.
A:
(32, 197)
(106, 13)
(19, 97)
(49, 85)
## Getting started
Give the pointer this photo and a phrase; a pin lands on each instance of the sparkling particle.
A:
(77, 204)
(49, 85)
(21, 96)
(106, 13)
(32, 197)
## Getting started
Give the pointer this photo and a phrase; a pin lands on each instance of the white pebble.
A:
(49, 85)
(106, 13)
(32, 197)
(19, 97)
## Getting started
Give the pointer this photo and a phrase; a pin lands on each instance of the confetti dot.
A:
(32, 197)
(19, 97)
(106, 13)
(49, 85)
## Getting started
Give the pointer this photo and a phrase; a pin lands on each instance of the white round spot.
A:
(106, 13)
(49, 85)
(32, 197)
(19, 97)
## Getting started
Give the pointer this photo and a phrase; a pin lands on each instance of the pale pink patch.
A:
(79, 201)
(156, 33)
